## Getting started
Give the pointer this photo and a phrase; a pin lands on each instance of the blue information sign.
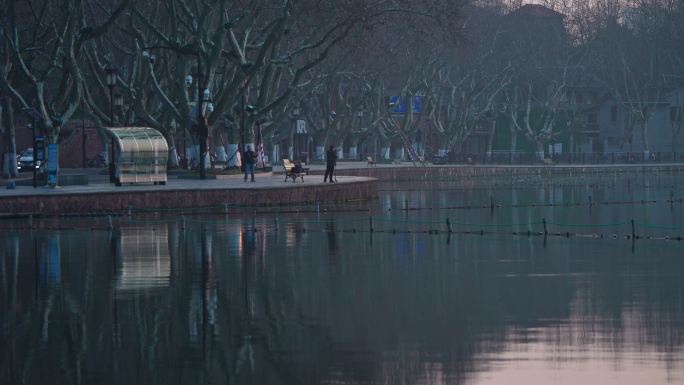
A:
(400, 104)
(417, 103)
(52, 163)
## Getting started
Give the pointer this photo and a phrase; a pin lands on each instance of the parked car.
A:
(25, 161)
(440, 159)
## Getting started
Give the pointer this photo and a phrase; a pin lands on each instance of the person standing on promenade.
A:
(250, 161)
(330, 161)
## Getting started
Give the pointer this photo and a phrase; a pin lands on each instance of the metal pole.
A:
(242, 123)
(111, 119)
(185, 149)
(35, 152)
(291, 150)
(83, 138)
(200, 118)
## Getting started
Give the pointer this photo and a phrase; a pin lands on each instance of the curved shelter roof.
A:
(142, 154)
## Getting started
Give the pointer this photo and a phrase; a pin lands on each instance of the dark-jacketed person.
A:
(330, 161)
(250, 161)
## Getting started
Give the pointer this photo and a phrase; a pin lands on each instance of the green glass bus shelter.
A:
(140, 156)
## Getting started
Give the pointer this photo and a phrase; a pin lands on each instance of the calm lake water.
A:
(315, 297)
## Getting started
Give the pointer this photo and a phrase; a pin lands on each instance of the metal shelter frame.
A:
(141, 155)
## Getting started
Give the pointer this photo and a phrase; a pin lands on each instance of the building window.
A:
(591, 118)
(613, 114)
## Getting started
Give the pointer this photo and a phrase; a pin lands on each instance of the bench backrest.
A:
(287, 165)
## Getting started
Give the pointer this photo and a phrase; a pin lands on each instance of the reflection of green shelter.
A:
(142, 153)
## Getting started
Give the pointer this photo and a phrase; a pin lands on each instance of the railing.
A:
(579, 158)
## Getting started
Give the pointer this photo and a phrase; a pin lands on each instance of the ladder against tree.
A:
(412, 151)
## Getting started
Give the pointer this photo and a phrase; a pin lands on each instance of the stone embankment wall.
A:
(456, 172)
(120, 201)
(168, 198)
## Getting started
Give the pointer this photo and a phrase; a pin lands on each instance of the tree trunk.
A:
(353, 148)
(644, 138)
(675, 136)
(290, 144)
(173, 158)
(572, 146)
(353, 152)
(215, 143)
(320, 153)
(399, 153)
(514, 145)
(490, 140)
(172, 161)
(9, 164)
(221, 153)
(231, 155)
(540, 151)
(275, 153)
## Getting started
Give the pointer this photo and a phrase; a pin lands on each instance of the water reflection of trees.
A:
(221, 302)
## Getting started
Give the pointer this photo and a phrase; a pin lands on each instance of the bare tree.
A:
(46, 45)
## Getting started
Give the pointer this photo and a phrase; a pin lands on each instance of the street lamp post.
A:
(118, 101)
(35, 115)
(292, 153)
(188, 83)
(242, 124)
(35, 153)
(83, 136)
(110, 75)
(202, 131)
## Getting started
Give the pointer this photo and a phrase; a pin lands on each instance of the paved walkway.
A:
(99, 182)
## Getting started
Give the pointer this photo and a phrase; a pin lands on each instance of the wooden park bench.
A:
(371, 162)
(290, 172)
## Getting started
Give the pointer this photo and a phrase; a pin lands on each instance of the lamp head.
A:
(188, 80)
(110, 75)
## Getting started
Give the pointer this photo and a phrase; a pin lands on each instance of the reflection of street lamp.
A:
(110, 78)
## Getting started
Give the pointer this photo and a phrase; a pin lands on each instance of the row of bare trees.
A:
(258, 53)
(469, 62)
(537, 68)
